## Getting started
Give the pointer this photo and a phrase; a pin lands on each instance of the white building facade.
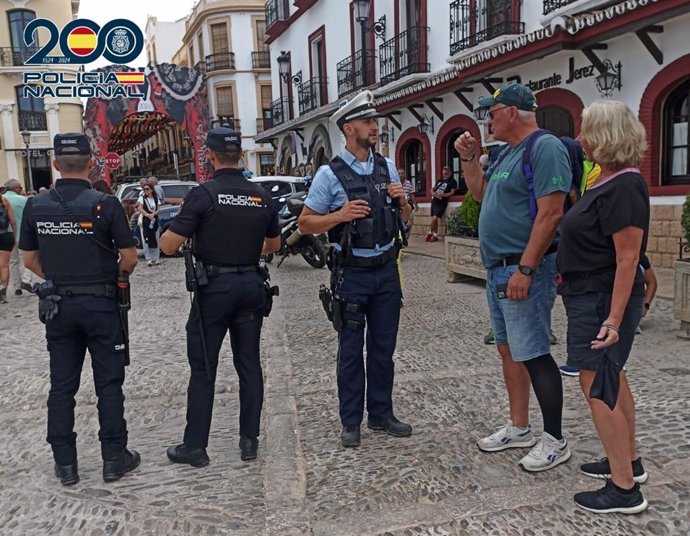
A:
(227, 37)
(429, 61)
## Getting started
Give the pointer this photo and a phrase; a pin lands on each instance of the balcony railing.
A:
(553, 5)
(407, 53)
(227, 121)
(261, 59)
(472, 23)
(220, 60)
(32, 121)
(356, 72)
(263, 123)
(280, 109)
(16, 57)
(276, 11)
(313, 94)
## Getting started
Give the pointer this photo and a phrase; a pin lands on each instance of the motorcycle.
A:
(292, 242)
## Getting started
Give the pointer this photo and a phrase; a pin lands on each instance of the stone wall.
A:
(664, 231)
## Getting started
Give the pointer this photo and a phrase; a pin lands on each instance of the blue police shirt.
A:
(326, 194)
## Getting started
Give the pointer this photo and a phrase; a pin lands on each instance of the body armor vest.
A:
(381, 226)
(234, 236)
(68, 254)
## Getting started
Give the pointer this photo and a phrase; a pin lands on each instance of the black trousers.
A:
(94, 323)
(234, 303)
(377, 292)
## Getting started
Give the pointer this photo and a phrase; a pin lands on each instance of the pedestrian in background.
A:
(442, 192)
(19, 274)
(102, 186)
(519, 253)
(8, 228)
(148, 207)
(603, 237)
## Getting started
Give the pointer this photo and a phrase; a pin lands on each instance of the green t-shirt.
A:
(18, 203)
(504, 222)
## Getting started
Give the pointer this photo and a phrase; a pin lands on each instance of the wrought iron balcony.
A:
(276, 11)
(261, 59)
(472, 22)
(227, 121)
(356, 71)
(263, 123)
(32, 121)
(312, 94)
(15, 57)
(407, 53)
(220, 60)
(553, 5)
(281, 109)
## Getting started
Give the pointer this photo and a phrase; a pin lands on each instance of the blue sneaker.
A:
(567, 370)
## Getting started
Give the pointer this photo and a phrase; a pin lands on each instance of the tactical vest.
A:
(234, 236)
(68, 254)
(381, 225)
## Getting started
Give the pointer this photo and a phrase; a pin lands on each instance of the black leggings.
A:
(548, 386)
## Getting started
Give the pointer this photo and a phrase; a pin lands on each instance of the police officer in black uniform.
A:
(359, 200)
(79, 240)
(232, 222)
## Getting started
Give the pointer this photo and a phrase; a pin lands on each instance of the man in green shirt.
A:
(18, 272)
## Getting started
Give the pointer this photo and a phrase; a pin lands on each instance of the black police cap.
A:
(71, 143)
(223, 139)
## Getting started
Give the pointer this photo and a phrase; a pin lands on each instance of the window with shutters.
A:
(224, 101)
(219, 38)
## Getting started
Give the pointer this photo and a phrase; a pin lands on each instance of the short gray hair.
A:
(73, 163)
(12, 184)
(527, 116)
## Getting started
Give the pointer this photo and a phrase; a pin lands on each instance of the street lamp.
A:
(610, 79)
(28, 180)
(283, 65)
(362, 16)
(426, 124)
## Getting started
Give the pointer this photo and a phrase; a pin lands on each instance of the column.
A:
(10, 140)
(51, 108)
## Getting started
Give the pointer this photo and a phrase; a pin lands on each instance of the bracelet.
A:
(468, 159)
(611, 327)
(646, 305)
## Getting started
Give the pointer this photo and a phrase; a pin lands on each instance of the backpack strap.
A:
(528, 171)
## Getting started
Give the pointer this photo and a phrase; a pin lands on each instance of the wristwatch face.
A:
(527, 270)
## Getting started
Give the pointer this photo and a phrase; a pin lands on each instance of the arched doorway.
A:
(171, 94)
(413, 163)
(320, 158)
(446, 154)
(452, 160)
(557, 119)
(286, 153)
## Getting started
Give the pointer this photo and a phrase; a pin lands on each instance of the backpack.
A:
(576, 156)
(4, 216)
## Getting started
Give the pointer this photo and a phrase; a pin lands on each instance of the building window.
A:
(556, 119)
(219, 38)
(17, 20)
(224, 101)
(261, 36)
(267, 163)
(676, 117)
(191, 55)
(200, 41)
(31, 112)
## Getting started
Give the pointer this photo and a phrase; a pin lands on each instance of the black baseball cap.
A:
(223, 139)
(512, 94)
(71, 143)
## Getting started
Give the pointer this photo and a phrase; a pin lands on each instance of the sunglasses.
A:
(492, 112)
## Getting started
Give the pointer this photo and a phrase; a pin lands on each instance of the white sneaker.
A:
(548, 453)
(506, 437)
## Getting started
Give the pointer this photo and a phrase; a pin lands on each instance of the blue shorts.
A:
(586, 313)
(524, 325)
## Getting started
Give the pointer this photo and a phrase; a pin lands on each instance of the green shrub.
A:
(464, 220)
(685, 219)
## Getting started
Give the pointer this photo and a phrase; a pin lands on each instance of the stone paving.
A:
(436, 482)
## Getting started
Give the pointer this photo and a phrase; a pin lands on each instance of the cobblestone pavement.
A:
(436, 482)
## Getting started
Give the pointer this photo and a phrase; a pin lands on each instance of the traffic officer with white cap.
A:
(359, 201)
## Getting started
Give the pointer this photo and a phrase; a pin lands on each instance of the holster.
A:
(269, 290)
(340, 322)
(201, 274)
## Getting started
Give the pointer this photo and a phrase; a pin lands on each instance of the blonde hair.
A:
(615, 136)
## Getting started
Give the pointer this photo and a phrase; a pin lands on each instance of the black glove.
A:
(48, 307)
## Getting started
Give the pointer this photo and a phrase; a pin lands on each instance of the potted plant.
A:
(462, 242)
(681, 295)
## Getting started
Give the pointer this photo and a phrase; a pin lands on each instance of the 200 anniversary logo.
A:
(83, 41)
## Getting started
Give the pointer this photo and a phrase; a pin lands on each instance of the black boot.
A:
(68, 474)
(391, 426)
(248, 448)
(350, 436)
(183, 454)
(115, 469)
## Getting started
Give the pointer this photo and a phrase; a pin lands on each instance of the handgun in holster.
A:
(124, 304)
(269, 291)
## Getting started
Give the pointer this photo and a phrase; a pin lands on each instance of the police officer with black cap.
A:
(231, 222)
(359, 200)
(79, 241)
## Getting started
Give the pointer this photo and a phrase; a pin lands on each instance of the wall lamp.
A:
(426, 125)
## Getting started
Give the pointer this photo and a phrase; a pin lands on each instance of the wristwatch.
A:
(468, 159)
(525, 270)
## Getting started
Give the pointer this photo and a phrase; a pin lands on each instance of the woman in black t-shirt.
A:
(602, 240)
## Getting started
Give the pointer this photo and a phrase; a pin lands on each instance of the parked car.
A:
(175, 192)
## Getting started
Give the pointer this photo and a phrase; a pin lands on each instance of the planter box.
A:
(681, 297)
(463, 259)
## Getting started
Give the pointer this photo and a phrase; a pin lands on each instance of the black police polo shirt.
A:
(198, 207)
(112, 215)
